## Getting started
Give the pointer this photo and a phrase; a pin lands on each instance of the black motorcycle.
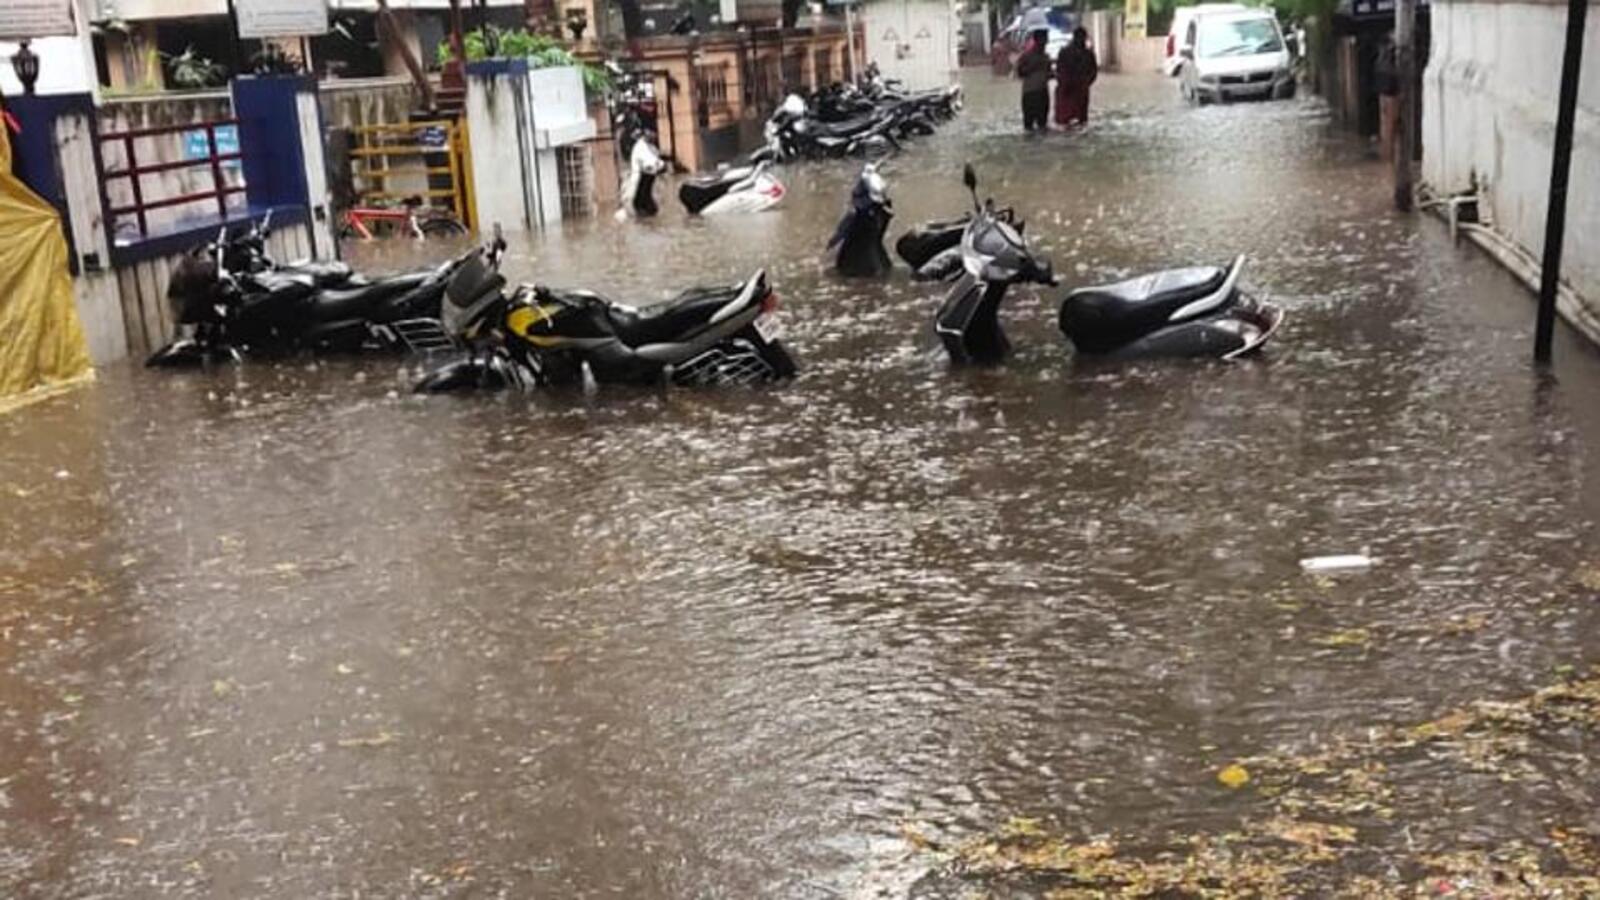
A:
(539, 336)
(1191, 312)
(857, 243)
(994, 256)
(226, 314)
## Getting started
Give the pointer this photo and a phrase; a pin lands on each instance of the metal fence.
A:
(424, 159)
(133, 174)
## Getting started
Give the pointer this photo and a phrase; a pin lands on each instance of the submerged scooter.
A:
(857, 242)
(994, 256)
(1194, 312)
(539, 336)
(738, 189)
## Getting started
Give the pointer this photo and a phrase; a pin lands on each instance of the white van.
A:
(1179, 36)
(1236, 56)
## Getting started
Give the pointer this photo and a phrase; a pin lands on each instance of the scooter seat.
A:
(354, 303)
(671, 320)
(1159, 293)
(699, 193)
(924, 242)
(1105, 316)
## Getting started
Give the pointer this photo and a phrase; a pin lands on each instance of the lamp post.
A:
(26, 64)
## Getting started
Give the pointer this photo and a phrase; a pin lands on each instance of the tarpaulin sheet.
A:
(41, 339)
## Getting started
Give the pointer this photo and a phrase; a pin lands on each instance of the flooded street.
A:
(287, 631)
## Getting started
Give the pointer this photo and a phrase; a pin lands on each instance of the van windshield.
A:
(1237, 37)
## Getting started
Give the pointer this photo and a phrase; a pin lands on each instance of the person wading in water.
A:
(1076, 69)
(1033, 67)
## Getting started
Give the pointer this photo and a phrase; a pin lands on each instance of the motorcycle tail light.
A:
(769, 303)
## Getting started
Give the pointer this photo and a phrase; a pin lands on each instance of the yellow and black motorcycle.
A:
(538, 336)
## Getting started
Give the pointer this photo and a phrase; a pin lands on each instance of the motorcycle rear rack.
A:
(724, 366)
(423, 335)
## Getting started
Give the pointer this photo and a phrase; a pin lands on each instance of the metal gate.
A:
(427, 159)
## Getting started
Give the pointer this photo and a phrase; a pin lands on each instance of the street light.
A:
(26, 64)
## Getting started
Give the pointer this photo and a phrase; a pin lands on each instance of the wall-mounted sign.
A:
(281, 18)
(1134, 22)
(24, 19)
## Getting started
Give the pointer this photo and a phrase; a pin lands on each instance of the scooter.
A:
(539, 337)
(225, 315)
(994, 256)
(638, 195)
(1191, 312)
(741, 189)
(857, 243)
(933, 249)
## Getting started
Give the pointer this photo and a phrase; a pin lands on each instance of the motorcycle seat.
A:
(283, 285)
(323, 273)
(848, 128)
(671, 320)
(354, 303)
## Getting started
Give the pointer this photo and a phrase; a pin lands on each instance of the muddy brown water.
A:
(286, 631)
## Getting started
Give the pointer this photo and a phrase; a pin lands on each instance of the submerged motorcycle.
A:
(737, 189)
(857, 243)
(224, 314)
(1196, 312)
(539, 336)
(994, 256)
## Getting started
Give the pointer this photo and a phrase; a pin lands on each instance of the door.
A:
(913, 41)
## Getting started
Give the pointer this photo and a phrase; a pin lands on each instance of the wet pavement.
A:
(287, 631)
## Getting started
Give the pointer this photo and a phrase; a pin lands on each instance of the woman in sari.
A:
(1076, 69)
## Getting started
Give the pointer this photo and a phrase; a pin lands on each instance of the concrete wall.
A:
(1489, 109)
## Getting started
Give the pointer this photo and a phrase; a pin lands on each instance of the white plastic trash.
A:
(1338, 563)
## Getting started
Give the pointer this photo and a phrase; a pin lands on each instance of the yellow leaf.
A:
(1349, 637)
(1234, 776)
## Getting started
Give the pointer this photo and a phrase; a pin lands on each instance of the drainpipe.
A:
(1555, 226)
(1405, 145)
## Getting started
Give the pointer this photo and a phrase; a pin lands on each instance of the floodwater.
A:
(287, 631)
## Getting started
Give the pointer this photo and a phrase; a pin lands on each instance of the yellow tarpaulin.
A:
(41, 340)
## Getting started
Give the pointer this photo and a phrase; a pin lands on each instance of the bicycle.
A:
(411, 218)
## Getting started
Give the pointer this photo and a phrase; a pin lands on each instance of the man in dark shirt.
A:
(1033, 67)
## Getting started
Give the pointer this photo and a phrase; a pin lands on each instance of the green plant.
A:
(541, 50)
(191, 70)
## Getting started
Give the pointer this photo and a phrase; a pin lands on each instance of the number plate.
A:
(767, 326)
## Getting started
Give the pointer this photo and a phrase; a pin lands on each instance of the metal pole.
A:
(1405, 45)
(1555, 224)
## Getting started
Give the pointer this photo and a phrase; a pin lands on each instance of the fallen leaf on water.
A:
(1234, 776)
(1310, 834)
(1348, 637)
(128, 841)
(221, 687)
(377, 740)
(1588, 576)
(914, 836)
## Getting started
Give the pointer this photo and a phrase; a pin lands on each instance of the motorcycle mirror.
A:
(266, 224)
(969, 177)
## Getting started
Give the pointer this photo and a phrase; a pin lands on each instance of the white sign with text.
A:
(26, 19)
(281, 18)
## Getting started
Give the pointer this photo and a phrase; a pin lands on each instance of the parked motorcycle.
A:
(994, 256)
(739, 189)
(539, 336)
(857, 243)
(1189, 312)
(792, 133)
(223, 314)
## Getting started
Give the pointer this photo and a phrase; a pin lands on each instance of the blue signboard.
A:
(196, 146)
